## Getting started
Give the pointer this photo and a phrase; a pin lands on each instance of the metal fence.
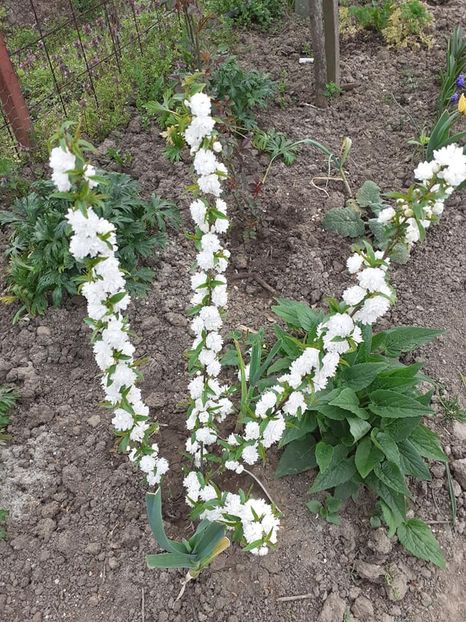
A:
(50, 70)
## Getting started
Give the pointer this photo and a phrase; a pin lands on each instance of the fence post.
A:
(318, 47)
(11, 96)
(332, 40)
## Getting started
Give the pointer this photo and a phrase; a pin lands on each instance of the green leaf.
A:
(367, 457)
(395, 341)
(297, 314)
(345, 221)
(298, 456)
(324, 455)
(331, 412)
(393, 405)
(358, 427)
(337, 473)
(418, 539)
(360, 376)
(400, 253)
(154, 514)
(298, 428)
(385, 442)
(314, 506)
(389, 474)
(427, 444)
(395, 501)
(348, 400)
(171, 560)
(400, 429)
(412, 462)
(368, 194)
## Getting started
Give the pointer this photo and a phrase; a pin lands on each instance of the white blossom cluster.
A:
(94, 239)
(210, 404)
(257, 519)
(438, 179)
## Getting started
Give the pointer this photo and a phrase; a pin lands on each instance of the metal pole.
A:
(13, 102)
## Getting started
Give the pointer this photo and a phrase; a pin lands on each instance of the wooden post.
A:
(332, 40)
(11, 97)
(318, 47)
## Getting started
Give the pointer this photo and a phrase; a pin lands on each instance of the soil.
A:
(77, 531)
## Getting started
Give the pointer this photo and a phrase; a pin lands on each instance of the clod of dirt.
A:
(459, 469)
(396, 584)
(363, 609)
(371, 572)
(333, 610)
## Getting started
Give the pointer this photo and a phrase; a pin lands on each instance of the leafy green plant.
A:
(8, 398)
(208, 541)
(455, 65)
(241, 90)
(276, 144)
(41, 268)
(373, 16)
(332, 90)
(261, 14)
(365, 430)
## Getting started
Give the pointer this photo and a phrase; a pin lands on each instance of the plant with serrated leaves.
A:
(260, 14)
(40, 267)
(366, 429)
(276, 144)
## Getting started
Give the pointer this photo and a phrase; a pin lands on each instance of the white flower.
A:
(221, 206)
(438, 208)
(137, 433)
(210, 243)
(217, 146)
(353, 295)
(205, 162)
(446, 156)
(372, 279)
(274, 431)
(294, 403)
(250, 454)
(205, 260)
(220, 296)
(339, 324)
(214, 341)
(162, 466)
(412, 232)
(426, 170)
(198, 129)
(234, 465)
(372, 309)
(89, 172)
(210, 316)
(265, 402)
(200, 105)
(122, 420)
(198, 211)
(386, 215)
(206, 436)
(251, 430)
(210, 184)
(62, 182)
(147, 464)
(354, 263)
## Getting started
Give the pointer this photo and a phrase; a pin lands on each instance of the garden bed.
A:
(78, 531)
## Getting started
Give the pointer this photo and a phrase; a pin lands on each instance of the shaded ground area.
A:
(78, 533)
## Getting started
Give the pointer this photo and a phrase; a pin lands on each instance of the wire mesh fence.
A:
(82, 64)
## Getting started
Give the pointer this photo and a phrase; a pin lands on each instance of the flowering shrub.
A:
(93, 242)
(332, 342)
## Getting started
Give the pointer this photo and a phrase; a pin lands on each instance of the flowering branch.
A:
(104, 287)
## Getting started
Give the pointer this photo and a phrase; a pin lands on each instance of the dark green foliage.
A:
(262, 14)
(8, 397)
(242, 90)
(366, 428)
(456, 64)
(41, 269)
(373, 16)
(277, 145)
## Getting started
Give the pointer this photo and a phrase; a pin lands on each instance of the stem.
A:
(263, 488)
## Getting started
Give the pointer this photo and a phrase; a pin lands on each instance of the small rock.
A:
(43, 331)
(71, 477)
(94, 421)
(387, 618)
(459, 469)
(380, 542)
(456, 488)
(396, 584)
(176, 319)
(438, 470)
(45, 528)
(363, 609)
(371, 572)
(113, 563)
(93, 548)
(459, 430)
(240, 261)
(333, 610)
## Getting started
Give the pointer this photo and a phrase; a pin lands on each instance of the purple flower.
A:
(460, 81)
(454, 98)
